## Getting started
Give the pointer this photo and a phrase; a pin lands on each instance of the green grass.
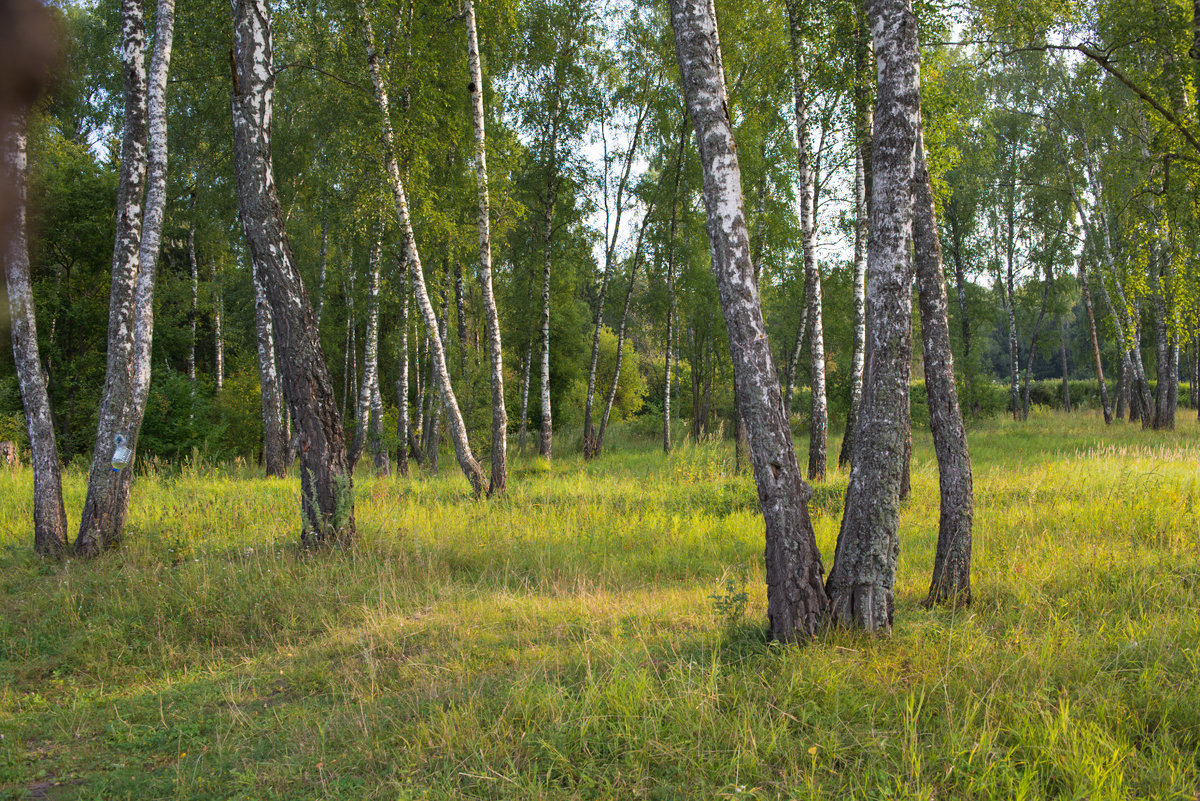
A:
(586, 637)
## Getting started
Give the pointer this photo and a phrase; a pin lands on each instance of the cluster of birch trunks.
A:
(896, 240)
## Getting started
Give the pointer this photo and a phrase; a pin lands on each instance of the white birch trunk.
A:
(499, 476)
(796, 602)
(862, 579)
(402, 424)
(458, 429)
(862, 156)
(218, 331)
(819, 419)
(104, 512)
(49, 514)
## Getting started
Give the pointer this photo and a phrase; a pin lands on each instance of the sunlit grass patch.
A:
(599, 633)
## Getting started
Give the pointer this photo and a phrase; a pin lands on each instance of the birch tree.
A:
(327, 489)
(104, 510)
(403, 432)
(951, 581)
(862, 579)
(369, 414)
(49, 514)
(796, 602)
(458, 429)
(499, 475)
(819, 420)
(862, 161)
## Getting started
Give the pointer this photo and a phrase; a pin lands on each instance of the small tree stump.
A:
(8, 455)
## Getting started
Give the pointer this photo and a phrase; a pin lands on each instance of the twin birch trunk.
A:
(458, 429)
(327, 491)
(796, 601)
(862, 579)
(104, 509)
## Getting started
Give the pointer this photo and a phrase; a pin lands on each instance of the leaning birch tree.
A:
(437, 351)
(327, 489)
(796, 601)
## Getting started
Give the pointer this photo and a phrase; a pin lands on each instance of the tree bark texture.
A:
(49, 514)
(862, 579)
(499, 476)
(274, 439)
(951, 581)
(326, 482)
(796, 602)
(458, 429)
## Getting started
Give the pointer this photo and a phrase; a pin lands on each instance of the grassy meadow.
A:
(599, 633)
